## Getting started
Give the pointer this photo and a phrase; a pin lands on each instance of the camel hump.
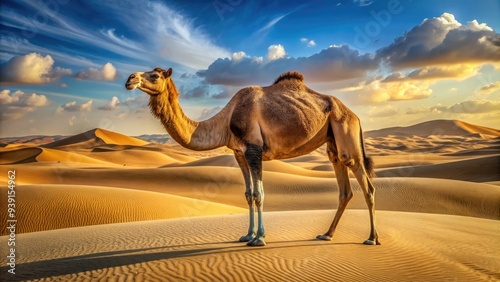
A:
(289, 75)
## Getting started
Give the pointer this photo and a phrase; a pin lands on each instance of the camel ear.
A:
(167, 73)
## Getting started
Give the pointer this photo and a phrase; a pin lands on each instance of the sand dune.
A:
(437, 202)
(481, 169)
(45, 207)
(134, 158)
(94, 137)
(436, 127)
(23, 155)
(170, 250)
(285, 191)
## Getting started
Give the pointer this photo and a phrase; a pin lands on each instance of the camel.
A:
(284, 120)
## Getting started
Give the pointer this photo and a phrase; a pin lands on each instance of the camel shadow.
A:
(100, 261)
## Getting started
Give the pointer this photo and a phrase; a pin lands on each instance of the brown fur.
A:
(289, 75)
(283, 120)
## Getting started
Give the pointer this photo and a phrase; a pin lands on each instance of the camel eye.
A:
(155, 76)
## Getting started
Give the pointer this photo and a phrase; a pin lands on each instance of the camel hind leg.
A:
(350, 151)
(345, 192)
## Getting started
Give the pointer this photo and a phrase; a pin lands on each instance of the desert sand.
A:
(105, 206)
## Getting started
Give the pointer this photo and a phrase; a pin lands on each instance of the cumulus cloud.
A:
(75, 107)
(490, 88)
(32, 68)
(106, 73)
(238, 56)
(443, 40)
(469, 107)
(309, 43)
(275, 52)
(16, 105)
(332, 64)
(111, 105)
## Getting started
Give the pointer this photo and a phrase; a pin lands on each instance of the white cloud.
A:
(16, 105)
(32, 68)
(72, 121)
(238, 56)
(309, 43)
(443, 41)
(275, 52)
(75, 107)
(106, 73)
(111, 105)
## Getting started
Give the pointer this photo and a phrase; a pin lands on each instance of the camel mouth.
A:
(131, 86)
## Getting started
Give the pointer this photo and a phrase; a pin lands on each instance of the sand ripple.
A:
(204, 249)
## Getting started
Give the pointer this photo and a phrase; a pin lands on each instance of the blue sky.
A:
(394, 62)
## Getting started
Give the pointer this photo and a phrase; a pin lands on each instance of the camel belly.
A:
(293, 146)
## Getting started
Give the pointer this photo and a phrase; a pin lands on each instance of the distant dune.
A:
(105, 206)
(436, 127)
(95, 137)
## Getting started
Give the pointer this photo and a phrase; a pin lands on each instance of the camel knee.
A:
(248, 196)
(347, 160)
(258, 198)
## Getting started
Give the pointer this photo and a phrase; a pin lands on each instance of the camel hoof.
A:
(256, 242)
(324, 237)
(247, 238)
(371, 242)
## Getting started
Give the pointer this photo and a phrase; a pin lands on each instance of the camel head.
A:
(152, 82)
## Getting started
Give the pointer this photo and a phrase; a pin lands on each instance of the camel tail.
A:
(368, 161)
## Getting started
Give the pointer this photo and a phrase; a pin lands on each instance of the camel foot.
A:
(247, 238)
(324, 237)
(371, 242)
(257, 242)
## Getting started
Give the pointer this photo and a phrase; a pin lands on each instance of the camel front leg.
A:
(253, 156)
(245, 170)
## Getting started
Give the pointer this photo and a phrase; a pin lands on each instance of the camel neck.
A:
(198, 136)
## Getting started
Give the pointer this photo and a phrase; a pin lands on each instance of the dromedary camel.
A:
(284, 120)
